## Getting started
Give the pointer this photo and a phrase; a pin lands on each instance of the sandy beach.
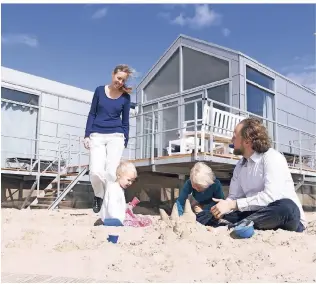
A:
(64, 243)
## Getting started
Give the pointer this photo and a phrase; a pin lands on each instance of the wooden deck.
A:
(220, 159)
(24, 172)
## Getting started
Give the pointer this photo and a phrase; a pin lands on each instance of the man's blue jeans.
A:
(281, 214)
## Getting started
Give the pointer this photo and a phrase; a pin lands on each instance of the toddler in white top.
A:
(114, 204)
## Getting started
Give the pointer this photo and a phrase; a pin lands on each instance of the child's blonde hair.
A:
(125, 167)
(202, 175)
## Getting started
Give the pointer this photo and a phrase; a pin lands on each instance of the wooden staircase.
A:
(65, 198)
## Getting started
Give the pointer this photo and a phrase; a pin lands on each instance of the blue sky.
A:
(80, 44)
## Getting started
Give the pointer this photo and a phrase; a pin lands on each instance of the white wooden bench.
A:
(223, 123)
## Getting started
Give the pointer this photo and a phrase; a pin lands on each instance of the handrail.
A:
(36, 156)
(153, 114)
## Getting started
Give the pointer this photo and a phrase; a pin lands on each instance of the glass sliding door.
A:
(188, 110)
(147, 130)
(169, 119)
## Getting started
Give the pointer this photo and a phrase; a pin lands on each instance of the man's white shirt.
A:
(262, 179)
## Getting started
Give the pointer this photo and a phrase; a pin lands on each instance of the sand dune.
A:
(64, 243)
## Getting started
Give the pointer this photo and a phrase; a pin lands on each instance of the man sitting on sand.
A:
(262, 189)
(203, 187)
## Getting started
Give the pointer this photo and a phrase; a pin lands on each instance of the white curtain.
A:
(268, 113)
(18, 121)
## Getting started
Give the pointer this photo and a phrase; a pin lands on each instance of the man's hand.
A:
(222, 207)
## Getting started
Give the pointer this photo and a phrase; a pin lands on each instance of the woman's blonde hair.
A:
(202, 175)
(126, 69)
(126, 167)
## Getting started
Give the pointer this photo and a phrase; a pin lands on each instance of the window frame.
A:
(210, 54)
(264, 74)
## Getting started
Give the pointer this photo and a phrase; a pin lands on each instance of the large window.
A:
(18, 96)
(166, 81)
(259, 100)
(201, 69)
(219, 94)
(259, 78)
(19, 114)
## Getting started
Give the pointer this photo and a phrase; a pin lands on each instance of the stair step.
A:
(64, 181)
(65, 204)
(71, 174)
(46, 198)
(39, 206)
(52, 192)
(49, 200)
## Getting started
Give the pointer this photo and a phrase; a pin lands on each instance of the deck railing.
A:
(65, 151)
(157, 127)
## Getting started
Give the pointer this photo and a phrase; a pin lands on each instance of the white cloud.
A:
(302, 71)
(98, 14)
(226, 32)
(310, 67)
(307, 79)
(203, 17)
(136, 74)
(15, 39)
(180, 20)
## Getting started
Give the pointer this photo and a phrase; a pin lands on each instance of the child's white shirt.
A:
(114, 203)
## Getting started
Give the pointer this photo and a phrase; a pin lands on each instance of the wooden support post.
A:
(21, 190)
(181, 182)
(11, 195)
(3, 193)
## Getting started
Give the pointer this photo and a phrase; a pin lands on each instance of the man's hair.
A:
(126, 167)
(202, 175)
(254, 131)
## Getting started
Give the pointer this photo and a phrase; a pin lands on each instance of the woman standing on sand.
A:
(107, 133)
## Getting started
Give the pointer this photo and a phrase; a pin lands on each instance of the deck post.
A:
(69, 148)
(195, 131)
(211, 114)
(300, 149)
(58, 171)
(181, 183)
(152, 138)
(38, 176)
(80, 153)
